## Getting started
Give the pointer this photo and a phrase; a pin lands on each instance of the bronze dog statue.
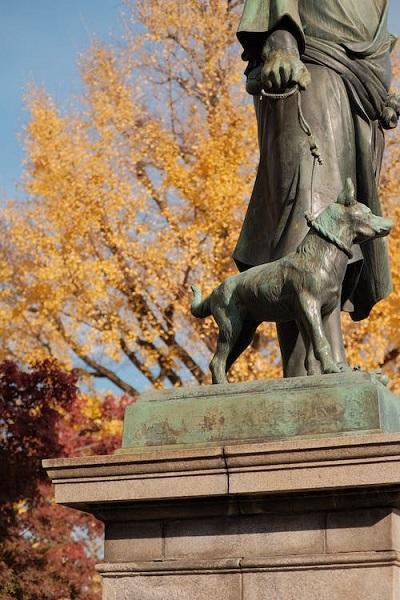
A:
(304, 286)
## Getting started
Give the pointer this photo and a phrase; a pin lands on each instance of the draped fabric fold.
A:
(365, 83)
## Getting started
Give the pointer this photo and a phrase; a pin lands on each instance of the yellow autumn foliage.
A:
(136, 192)
(91, 412)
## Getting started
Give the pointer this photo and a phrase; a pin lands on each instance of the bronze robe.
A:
(346, 47)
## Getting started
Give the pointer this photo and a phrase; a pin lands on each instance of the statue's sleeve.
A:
(261, 17)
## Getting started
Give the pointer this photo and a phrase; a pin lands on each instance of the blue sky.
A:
(40, 41)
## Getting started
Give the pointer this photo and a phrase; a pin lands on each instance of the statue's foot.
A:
(312, 367)
(313, 372)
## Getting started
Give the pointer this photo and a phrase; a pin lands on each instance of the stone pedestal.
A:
(272, 490)
(299, 519)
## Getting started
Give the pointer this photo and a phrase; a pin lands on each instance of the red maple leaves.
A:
(48, 552)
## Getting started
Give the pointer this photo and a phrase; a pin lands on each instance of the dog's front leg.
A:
(311, 364)
(311, 320)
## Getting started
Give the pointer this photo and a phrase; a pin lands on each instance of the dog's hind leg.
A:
(230, 326)
(244, 339)
(218, 362)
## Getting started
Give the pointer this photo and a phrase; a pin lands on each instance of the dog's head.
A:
(359, 221)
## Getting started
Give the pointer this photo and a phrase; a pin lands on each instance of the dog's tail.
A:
(200, 308)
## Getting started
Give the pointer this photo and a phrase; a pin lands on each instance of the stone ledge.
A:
(279, 467)
(232, 565)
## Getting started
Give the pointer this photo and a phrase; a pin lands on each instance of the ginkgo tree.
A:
(135, 192)
(131, 196)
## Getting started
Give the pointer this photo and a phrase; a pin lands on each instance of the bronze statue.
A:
(304, 287)
(337, 53)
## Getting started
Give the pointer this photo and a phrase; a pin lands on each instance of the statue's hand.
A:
(282, 70)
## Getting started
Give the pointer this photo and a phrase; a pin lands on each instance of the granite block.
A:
(362, 530)
(345, 583)
(175, 587)
(237, 536)
(130, 541)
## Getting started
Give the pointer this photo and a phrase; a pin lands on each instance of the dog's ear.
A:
(348, 196)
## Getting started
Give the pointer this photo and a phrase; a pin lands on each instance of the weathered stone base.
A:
(297, 407)
(308, 555)
(368, 577)
(293, 520)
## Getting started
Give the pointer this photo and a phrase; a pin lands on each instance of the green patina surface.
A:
(263, 410)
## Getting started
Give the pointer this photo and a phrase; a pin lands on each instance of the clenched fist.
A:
(282, 70)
